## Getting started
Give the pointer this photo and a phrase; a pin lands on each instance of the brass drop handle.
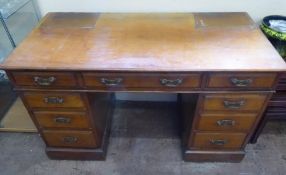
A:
(218, 142)
(42, 81)
(62, 120)
(241, 83)
(233, 104)
(111, 82)
(70, 139)
(171, 83)
(54, 100)
(225, 122)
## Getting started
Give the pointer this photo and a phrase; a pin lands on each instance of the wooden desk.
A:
(220, 64)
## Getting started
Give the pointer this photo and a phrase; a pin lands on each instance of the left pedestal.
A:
(74, 125)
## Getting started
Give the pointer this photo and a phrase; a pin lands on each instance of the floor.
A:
(143, 141)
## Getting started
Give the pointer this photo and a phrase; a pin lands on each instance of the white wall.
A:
(256, 8)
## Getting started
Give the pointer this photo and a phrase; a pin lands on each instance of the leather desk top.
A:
(146, 42)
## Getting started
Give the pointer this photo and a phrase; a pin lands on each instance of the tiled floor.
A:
(143, 141)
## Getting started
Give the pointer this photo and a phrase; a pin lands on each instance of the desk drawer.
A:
(45, 79)
(142, 80)
(233, 102)
(53, 100)
(226, 122)
(75, 139)
(61, 119)
(241, 80)
(218, 140)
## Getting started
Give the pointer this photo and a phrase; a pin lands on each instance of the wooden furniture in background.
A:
(220, 64)
(276, 108)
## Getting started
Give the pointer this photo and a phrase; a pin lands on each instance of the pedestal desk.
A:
(221, 66)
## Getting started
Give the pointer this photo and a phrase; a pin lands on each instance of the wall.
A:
(256, 8)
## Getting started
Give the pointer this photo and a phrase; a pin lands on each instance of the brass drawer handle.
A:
(111, 82)
(53, 100)
(171, 83)
(70, 140)
(44, 81)
(225, 122)
(241, 83)
(233, 104)
(218, 142)
(62, 120)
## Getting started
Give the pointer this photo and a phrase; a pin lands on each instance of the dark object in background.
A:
(7, 96)
(274, 27)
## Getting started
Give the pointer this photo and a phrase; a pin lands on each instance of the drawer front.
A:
(60, 119)
(53, 100)
(45, 79)
(241, 80)
(233, 102)
(137, 80)
(218, 140)
(226, 122)
(74, 139)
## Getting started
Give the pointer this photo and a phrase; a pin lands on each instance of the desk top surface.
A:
(146, 42)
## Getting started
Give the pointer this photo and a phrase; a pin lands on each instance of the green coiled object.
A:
(277, 38)
(272, 33)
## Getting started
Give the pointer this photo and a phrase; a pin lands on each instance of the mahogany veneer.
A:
(220, 64)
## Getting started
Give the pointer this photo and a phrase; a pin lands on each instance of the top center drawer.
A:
(137, 81)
